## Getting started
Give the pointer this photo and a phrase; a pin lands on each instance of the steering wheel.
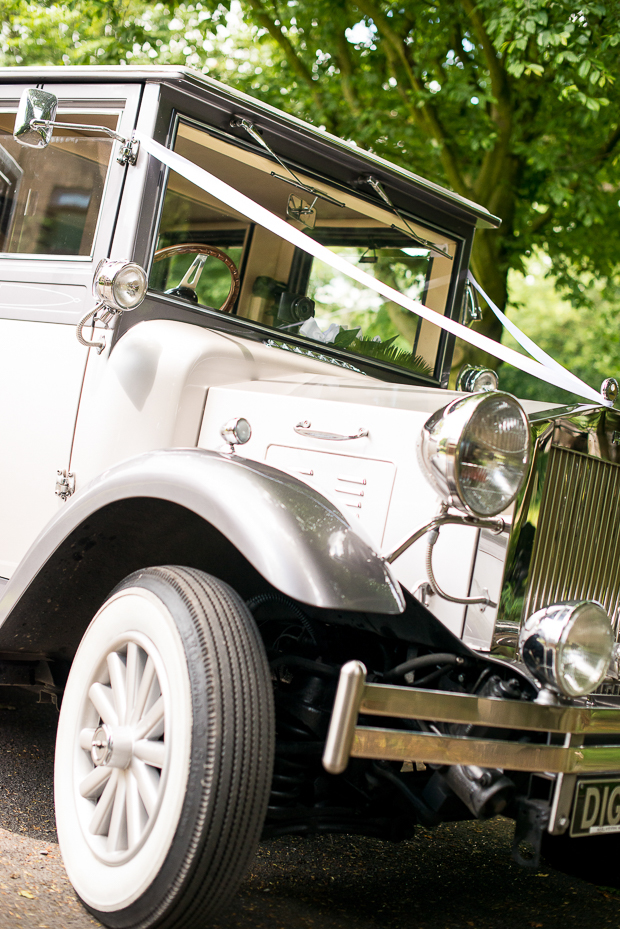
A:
(187, 287)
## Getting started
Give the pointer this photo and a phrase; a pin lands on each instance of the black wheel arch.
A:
(122, 537)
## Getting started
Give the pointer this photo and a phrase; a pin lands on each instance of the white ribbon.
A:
(258, 214)
(524, 341)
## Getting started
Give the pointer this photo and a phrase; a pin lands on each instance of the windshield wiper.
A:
(377, 186)
(239, 122)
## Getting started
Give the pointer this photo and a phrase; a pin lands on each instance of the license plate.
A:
(596, 808)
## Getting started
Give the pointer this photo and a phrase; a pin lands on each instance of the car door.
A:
(58, 209)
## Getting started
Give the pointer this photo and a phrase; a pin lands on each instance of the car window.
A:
(50, 198)
(283, 287)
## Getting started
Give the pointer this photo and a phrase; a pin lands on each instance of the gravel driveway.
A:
(454, 877)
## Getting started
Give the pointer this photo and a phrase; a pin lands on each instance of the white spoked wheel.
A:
(164, 751)
(122, 769)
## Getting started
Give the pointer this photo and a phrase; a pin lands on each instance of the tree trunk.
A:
(493, 278)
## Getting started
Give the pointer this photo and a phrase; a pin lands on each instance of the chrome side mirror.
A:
(34, 122)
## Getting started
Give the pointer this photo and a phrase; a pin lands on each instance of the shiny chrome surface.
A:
(65, 484)
(102, 746)
(237, 431)
(35, 107)
(568, 646)
(484, 600)
(346, 708)
(394, 745)
(564, 543)
(36, 120)
(294, 537)
(304, 429)
(100, 313)
(609, 389)
(471, 311)
(480, 476)
(238, 122)
(354, 696)
(378, 188)
(471, 710)
(119, 284)
(577, 548)
(495, 523)
(473, 379)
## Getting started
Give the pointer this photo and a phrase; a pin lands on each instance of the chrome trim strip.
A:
(468, 709)
(394, 745)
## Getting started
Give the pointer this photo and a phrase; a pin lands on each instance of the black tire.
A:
(189, 855)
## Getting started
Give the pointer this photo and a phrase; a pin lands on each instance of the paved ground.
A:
(455, 877)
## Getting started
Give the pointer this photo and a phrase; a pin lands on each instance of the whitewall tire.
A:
(164, 751)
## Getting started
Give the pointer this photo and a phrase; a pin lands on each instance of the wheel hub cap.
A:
(112, 746)
(101, 748)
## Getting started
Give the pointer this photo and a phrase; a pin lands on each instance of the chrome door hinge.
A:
(128, 154)
(65, 484)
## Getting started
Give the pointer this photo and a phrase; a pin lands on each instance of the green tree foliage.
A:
(512, 103)
(585, 338)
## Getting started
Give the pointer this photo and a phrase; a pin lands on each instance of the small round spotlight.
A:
(120, 284)
(475, 378)
(237, 431)
(568, 646)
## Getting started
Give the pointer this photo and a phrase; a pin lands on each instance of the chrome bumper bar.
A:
(346, 739)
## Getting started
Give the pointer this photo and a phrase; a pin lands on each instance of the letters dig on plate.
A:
(596, 808)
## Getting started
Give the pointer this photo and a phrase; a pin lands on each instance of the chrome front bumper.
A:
(346, 739)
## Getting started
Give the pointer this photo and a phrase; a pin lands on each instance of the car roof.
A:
(314, 136)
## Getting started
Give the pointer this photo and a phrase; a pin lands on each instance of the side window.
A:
(190, 219)
(50, 200)
(358, 318)
(283, 287)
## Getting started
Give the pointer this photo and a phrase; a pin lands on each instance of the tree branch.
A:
(346, 67)
(421, 110)
(501, 112)
(297, 65)
(500, 86)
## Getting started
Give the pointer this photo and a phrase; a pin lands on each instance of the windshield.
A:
(283, 287)
(50, 200)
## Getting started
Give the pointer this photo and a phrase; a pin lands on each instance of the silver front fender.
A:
(295, 538)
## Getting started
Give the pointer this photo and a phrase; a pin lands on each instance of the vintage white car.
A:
(278, 577)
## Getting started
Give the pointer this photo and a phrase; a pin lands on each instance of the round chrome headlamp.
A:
(120, 284)
(476, 452)
(568, 646)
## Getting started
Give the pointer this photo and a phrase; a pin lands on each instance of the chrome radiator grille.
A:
(576, 552)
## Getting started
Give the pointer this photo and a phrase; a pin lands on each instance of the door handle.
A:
(303, 428)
